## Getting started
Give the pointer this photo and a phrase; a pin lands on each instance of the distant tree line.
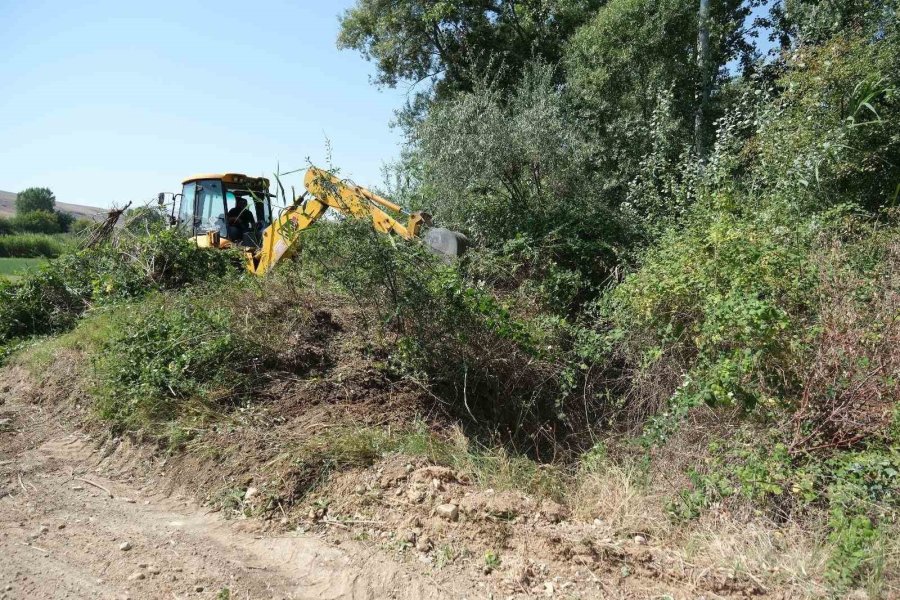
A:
(36, 213)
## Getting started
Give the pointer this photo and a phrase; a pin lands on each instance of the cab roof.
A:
(236, 178)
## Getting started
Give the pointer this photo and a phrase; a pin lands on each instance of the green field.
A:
(12, 268)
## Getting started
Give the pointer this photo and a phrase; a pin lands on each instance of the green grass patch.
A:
(12, 269)
(38, 354)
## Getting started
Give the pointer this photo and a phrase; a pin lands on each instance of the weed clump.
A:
(168, 358)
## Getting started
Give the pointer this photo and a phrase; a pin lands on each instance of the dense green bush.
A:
(38, 221)
(731, 298)
(130, 266)
(511, 172)
(32, 245)
(42, 222)
(40, 303)
(168, 356)
(858, 492)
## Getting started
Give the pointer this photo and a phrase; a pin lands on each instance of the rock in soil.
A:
(447, 511)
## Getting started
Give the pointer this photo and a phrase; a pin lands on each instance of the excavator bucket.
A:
(447, 244)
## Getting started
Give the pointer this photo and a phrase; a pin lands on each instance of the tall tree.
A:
(703, 66)
(34, 199)
(452, 43)
(636, 78)
(814, 21)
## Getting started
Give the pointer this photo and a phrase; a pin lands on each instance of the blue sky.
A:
(110, 101)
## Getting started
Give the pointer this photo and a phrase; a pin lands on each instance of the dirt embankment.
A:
(246, 505)
(79, 519)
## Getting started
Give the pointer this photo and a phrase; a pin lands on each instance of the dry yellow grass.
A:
(784, 557)
(613, 498)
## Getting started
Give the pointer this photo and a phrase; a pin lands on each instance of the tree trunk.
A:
(703, 66)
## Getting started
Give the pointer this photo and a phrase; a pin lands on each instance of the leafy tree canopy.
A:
(34, 199)
(814, 21)
(455, 42)
(633, 74)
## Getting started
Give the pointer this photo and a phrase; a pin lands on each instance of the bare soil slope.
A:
(78, 520)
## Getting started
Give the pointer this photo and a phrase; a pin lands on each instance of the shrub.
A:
(725, 300)
(38, 221)
(41, 221)
(128, 267)
(513, 170)
(65, 221)
(132, 264)
(6, 227)
(726, 308)
(863, 501)
(40, 303)
(167, 356)
(849, 384)
(858, 491)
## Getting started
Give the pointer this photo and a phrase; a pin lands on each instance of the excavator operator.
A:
(240, 220)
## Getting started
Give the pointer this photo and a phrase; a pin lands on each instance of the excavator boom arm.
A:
(361, 203)
(280, 239)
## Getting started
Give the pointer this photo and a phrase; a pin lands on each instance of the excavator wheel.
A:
(447, 244)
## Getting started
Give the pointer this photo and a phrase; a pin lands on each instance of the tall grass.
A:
(33, 245)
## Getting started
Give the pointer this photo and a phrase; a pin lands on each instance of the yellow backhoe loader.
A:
(233, 210)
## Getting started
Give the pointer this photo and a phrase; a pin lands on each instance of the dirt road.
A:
(77, 522)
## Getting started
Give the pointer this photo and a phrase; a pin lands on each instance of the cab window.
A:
(263, 211)
(210, 208)
(186, 211)
(257, 203)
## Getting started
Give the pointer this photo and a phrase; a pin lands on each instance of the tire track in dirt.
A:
(62, 537)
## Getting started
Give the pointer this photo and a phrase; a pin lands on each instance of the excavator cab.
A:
(229, 206)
